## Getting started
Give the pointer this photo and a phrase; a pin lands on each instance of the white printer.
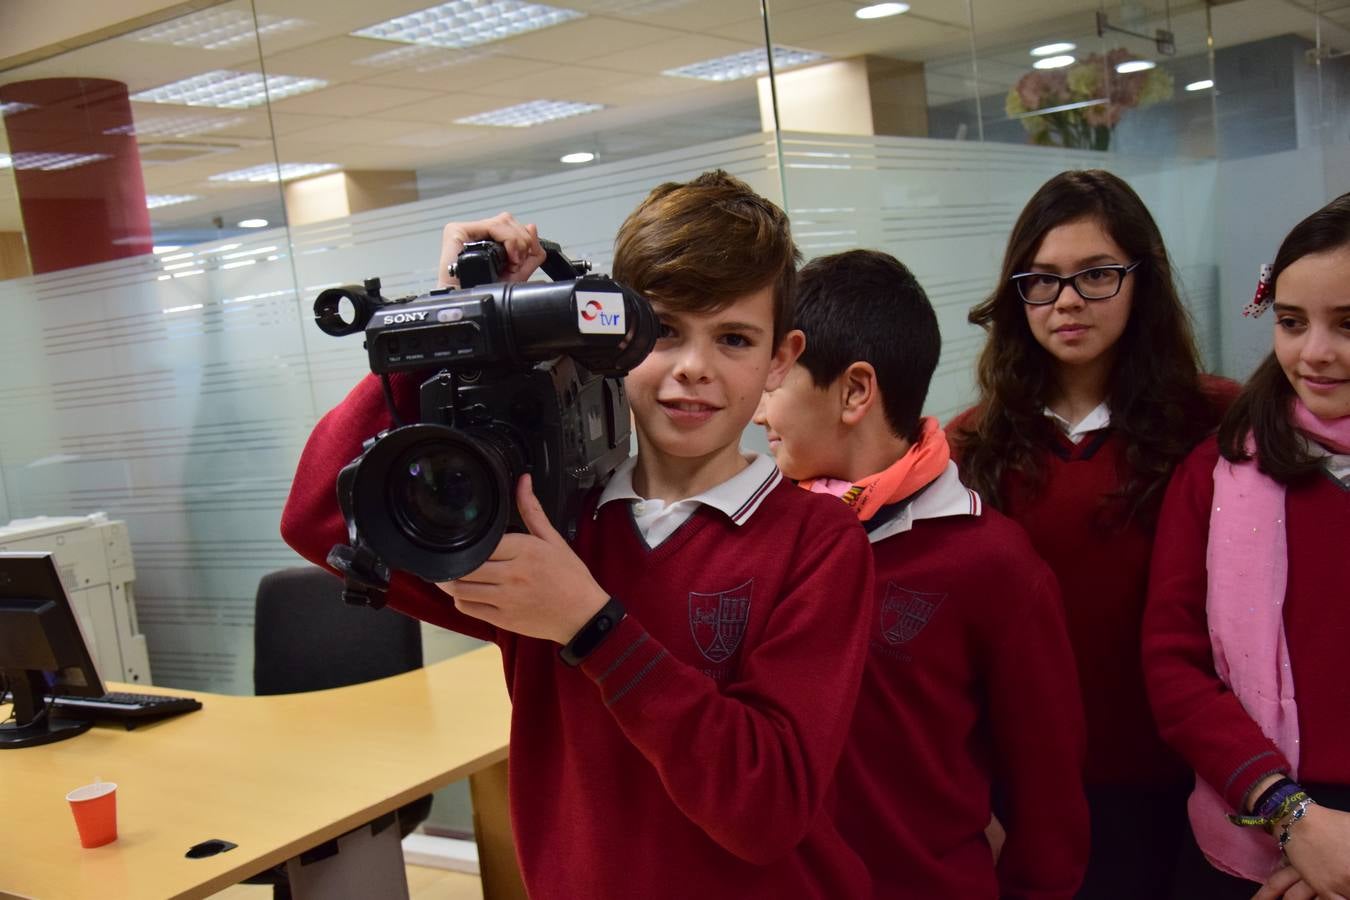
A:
(93, 555)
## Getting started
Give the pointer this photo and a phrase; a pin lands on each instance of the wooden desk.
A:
(275, 775)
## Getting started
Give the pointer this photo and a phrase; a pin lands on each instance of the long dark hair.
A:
(1262, 409)
(1154, 390)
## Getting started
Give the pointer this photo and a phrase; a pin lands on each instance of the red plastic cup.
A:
(95, 810)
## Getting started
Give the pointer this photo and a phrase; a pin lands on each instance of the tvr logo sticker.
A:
(600, 312)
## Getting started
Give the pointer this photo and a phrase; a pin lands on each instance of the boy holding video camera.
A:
(683, 674)
(970, 685)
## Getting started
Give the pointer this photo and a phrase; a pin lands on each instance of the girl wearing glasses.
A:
(1248, 618)
(1090, 394)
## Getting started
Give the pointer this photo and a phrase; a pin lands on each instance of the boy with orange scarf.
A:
(970, 687)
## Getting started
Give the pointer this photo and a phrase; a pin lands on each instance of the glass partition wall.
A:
(172, 199)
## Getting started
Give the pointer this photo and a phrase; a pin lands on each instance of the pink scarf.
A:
(924, 461)
(1248, 564)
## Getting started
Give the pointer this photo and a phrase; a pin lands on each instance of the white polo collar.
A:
(1096, 420)
(737, 498)
(1338, 464)
(946, 496)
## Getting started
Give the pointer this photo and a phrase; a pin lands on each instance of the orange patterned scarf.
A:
(925, 461)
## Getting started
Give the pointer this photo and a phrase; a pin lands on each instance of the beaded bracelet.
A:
(1299, 811)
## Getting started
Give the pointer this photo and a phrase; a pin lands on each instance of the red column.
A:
(77, 171)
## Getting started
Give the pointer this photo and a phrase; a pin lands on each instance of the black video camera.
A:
(527, 378)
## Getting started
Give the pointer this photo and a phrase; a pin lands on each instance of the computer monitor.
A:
(42, 651)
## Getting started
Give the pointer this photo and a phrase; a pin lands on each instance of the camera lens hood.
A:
(432, 500)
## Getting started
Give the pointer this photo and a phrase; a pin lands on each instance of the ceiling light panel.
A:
(49, 162)
(535, 112)
(155, 201)
(745, 64)
(1054, 62)
(468, 23)
(272, 172)
(176, 126)
(1056, 49)
(225, 89)
(216, 30)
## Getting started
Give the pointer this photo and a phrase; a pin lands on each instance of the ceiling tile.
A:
(351, 100)
(653, 59)
(463, 71)
(584, 40)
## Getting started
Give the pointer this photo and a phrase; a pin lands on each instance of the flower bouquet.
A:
(1079, 105)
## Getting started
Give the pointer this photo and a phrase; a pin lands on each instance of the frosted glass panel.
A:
(177, 391)
(945, 209)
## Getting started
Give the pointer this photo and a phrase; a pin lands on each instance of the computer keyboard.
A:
(122, 706)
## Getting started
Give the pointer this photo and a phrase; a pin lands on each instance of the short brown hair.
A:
(700, 245)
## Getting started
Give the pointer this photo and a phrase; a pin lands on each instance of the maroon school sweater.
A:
(1103, 579)
(970, 681)
(695, 750)
(1196, 712)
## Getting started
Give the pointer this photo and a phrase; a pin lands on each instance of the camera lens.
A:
(434, 500)
(442, 495)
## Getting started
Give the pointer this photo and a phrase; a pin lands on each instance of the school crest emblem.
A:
(718, 620)
(904, 613)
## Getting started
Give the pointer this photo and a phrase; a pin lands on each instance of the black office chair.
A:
(306, 638)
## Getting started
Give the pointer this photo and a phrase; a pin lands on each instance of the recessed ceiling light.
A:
(1203, 84)
(535, 112)
(269, 172)
(745, 64)
(49, 162)
(579, 157)
(1054, 62)
(9, 109)
(212, 30)
(226, 89)
(157, 249)
(252, 223)
(175, 126)
(1135, 65)
(1057, 49)
(155, 201)
(467, 23)
(881, 10)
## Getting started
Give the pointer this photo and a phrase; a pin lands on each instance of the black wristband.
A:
(593, 633)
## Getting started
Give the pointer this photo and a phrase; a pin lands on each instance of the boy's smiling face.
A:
(802, 423)
(696, 391)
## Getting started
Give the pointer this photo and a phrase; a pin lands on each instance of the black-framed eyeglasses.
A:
(1095, 283)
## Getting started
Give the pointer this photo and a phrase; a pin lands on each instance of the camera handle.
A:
(559, 267)
(481, 262)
